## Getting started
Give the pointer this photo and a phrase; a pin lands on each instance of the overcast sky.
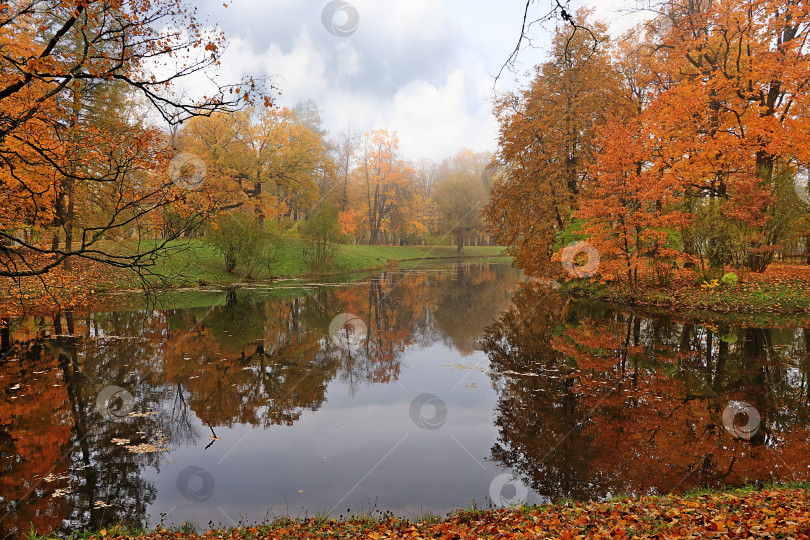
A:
(424, 68)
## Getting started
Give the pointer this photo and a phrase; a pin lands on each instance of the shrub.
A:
(245, 243)
(710, 285)
(729, 280)
(322, 237)
(572, 233)
(437, 239)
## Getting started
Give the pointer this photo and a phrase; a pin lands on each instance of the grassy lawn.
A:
(192, 262)
(768, 512)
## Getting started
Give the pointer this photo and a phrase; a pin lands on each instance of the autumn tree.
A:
(385, 187)
(345, 149)
(332, 176)
(686, 152)
(466, 161)
(262, 160)
(459, 201)
(733, 123)
(631, 213)
(53, 50)
(546, 142)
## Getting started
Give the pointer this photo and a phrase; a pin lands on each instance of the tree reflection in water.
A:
(591, 401)
(595, 402)
(252, 361)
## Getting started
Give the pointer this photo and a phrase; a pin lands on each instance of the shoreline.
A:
(764, 511)
(782, 291)
(194, 267)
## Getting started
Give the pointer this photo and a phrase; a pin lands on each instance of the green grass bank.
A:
(192, 263)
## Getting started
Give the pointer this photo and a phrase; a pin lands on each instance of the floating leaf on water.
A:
(142, 414)
(462, 366)
(145, 448)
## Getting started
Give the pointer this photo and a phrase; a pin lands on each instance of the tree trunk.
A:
(459, 243)
(807, 249)
(5, 339)
(69, 224)
(758, 262)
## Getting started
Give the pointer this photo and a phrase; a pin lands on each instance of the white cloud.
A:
(423, 68)
(435, 122)
(432, 120)
(403, 23)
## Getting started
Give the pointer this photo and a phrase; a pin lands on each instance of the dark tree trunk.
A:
(758, 262)
(69, 224)
(5, 339)
(807, 249)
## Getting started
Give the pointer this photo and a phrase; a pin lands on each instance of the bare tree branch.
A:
(558, 11)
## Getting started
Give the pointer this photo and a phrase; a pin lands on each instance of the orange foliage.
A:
(76, 168)
(384, 187)
(680, 147)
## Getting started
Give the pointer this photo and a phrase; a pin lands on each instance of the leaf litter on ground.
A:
(764, 513)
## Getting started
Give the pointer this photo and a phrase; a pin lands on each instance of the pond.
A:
(412, 391)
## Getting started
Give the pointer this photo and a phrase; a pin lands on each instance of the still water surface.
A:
(466, 379)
